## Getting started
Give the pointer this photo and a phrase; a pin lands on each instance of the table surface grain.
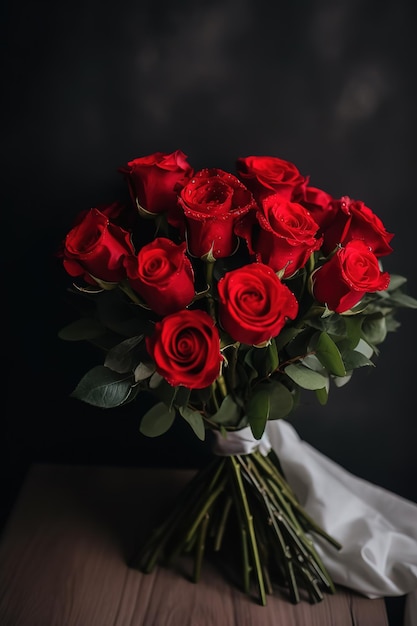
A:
(65, 547)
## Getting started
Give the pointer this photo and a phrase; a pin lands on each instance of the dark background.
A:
(87, 86)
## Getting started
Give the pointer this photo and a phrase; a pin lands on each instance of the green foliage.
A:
(104, 388)
(329, 355)
(318, 350)
(195, 420)
(258, 410)
(306, 377)
(228, 413)
(84, 329)
(157, 420)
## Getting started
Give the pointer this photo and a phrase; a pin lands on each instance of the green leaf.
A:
(83, 329)
(353, 330)
(195, 420)
(374, 330)
(250, 369)
(124, 357)
(281, 400)
(403, 300)
(121, 315)
(228, 413)
(322, 395)
(396, 281)
(272, 357)
(333, 324)
(263, 360)
(144, 371)
(181, 396)
(104, 388)
(354, 359)
(258, 412)
(305, 377)
(287, 334)
(329, 356)
(157, 420)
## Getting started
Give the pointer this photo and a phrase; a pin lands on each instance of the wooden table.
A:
(64, 553)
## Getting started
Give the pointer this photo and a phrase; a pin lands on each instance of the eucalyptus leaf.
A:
(157, 420)
(84, 329)
(104, 388)
(392, 324)
(258, 409)
(144, 371)
(251, 371)
(156, 380)
(272, 356)
(322, 395)
(124, 357)
(332, 324)
(374, 330)
(287, 334)
(312, 362)
(281, 400)
(403, 300)
(164, 391)
(228, 413)
(353, 330)
(364, 348)
(181, 396)
(329, 355)
(305, 377)
(354, 359)
(195, 420)
(340, 381)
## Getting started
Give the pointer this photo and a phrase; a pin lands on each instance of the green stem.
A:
(286, 490)
(200, 548)
(222, 524)
(249, 523)
(272, 521)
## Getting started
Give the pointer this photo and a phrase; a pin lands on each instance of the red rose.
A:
(284, 235)
(96, 249)
(343, 280)
(352, 219)
(163, 275)
(154, 181)
(264, 175)
(186, 349)
(254, 304)
(212, 202)
(320, 205)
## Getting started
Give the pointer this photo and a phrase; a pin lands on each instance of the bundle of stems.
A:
(247, 493)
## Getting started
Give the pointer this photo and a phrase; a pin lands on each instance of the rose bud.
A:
(154, 182)
(96, 249)
(186, 349)
(254, 304)
(354, 220)
(342, 281)
(162, 275)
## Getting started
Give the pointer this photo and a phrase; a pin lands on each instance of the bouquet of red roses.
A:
(224, 295)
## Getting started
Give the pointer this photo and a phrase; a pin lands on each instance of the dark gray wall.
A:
(90, 85)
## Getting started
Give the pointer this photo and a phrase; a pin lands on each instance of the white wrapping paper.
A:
(377, 528)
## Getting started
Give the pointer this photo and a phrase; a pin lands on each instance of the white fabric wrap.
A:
(377, 528)
(240, 442)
